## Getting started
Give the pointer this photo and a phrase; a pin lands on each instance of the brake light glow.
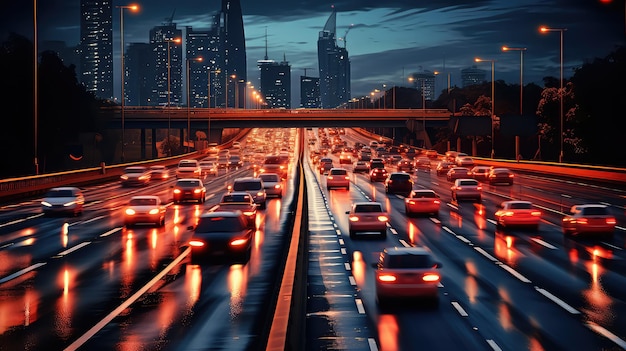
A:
(154, 211)
(535, 213)
(197, 191)
(383, 218)
(387, 278)
(238, 242)
(354, 219)
(196, 243)
(430, 277)
(176, 191)
(130, 211)
(611, 221)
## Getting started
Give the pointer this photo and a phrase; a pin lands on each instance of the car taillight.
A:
(176, 191)
(130, 211)
(154, 211)
(196, 243)
(248, 213)
(430, 277)
(580, 221)
(260, 193)
(277, 186)
(347, 178)
(354, 219)
(479, 188)
(383, 218)
(436, 202)
(535, 213)
(387, 278)
(330, 177)
(511, 175)
(238, 242)
(197, 191)
(611, 221)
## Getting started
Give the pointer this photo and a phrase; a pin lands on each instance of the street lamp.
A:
(132, 8)
(208, 102)
(561, 31)
(35, 84)
(521, 73)
(197, 59)
(384, 96)
(169, 113)
(493, 102)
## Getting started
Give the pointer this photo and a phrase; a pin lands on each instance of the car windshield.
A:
(188, 183)
(368, 208)
(269, 177)
(468, 182)
(424, 195)
(594, 211)
(272, 160)
(134, 170)
(338, 172)
(520, 206)
(236, 198)
(219, 224)
(243, 186)
(143, 202)
(409, 261)
(187, 164)
(60, 193)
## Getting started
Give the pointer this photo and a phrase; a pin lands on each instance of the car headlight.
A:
(71, 203)
(124, 177)
(46, 203)
(154, 211)
(130, 212)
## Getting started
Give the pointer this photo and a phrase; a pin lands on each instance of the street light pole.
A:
(188, 111)
(132, 8)
(521, 74)
(208, 103)
(35, 85)
(561, 31)
(493, 102)
(169, 93)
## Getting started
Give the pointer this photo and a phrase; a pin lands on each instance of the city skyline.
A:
(386, 42)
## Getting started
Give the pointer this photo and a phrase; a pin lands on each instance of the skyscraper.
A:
(275, 82)
(205, 44)
(472, 75)
(96, 47)
(309, 92)
(233, 48)
(159, 38)
(334, 66)
(424, 81)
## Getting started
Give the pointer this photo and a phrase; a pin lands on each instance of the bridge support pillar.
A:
(155, 152)
(142, 143)
(216, 135)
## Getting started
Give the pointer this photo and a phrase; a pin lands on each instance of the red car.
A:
(378, 175)
(455, 173)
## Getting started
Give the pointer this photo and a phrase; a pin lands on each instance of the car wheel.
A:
(327, 188)
(348, 188)
(407, 212)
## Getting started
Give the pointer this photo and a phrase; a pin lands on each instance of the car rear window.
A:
(248, 185)
(468, 182)
(59, 193)
(521, 206)
(368, 208)
(424, 195)
(219, 224)
(409, 261)
(236, 198)
(187, 183)
(143, 202)
(269, 177)
(403, 176)
(595, 211)
(338, 172)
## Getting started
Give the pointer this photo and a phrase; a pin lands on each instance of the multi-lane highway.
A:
(90, 283)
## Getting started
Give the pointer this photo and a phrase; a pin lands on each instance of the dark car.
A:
(189, 189)
(221, 234)
(378, 175)
(443, 167)
(589, 219)
(398, 183)
(135, 176)
(404, 165)
(457, 173)
(501, 176)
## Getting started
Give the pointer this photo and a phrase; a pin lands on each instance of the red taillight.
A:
(130, 211)
(347, 178)
(387, 278)
(176, 191)
(277, 186)
(196, 243)
(383, 218)
(611, 221)
(436, 202)
(580, 221)
(535, 213)
(154, 211)
(197, 191)
(430, 277)
(354, 219)
(238, 242)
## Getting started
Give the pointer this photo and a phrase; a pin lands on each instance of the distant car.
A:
(345, 157)
(144, 209)
(63, 200)
(432, 153)
(189, 189)
(465, 161)
(404, 165)
(422, 163)
(501, 176)
(367, 217)
(135, 176)
(254, 186)
(481, 173)
(188, 169)
(208, 168)
(398, 183)
(238, 201)
(406, 272)
(221, 234)
(159, 172)
(275, 164)
(222, 161)
(272, 183)
(360, 167)
(517, 213)
(234, 161)
(325, 164)
(466, 189)
(443, 167)
(338, 178)
(422, 201)
(455, 173)
(588, 219)
(378, 175)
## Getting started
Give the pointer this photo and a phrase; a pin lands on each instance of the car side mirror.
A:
(190, 227)
(347, 212)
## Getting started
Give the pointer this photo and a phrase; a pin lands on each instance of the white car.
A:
(136, 176)
(208, 168)
(272, 182)
(144, 209)
(188, 169)
(338, 178)
(368, 217)
(63, 200)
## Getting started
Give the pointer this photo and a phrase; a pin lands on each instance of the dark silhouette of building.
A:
(424, 82)
(472, 75)
(233, 50)
(334, 66)
(204, 44)
(139, 64)
(310, 92)
(275, 82)
(96, 47)
(159, 38)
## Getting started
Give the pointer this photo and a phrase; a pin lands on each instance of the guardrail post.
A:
(103, 168)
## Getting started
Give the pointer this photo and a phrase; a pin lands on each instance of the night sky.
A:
(388, 40)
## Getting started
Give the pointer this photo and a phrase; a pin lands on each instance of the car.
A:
(406, 272)
(188, 169)
(135, 176)
(501, 176)
(404, 165)
(360, 167)
(517, 213)
(144, 209)
(189, 189)
(455, 173)
(222, 161)
(398, 183)
(425, 201)
(272, 183)
(450, 155)
(208, 168)
(443, 167)
(588, 219)
(325, 164)
(378, 174)
(234, 161)
(375, 163)
(466, 188)
(254, 186)
(422, 163)
(159, 172)
(458, 157)
(465, 161)
(367, 217)
(345, 157)
(338, 178)
(238, 201)
(481, 173)
(221, 234)
(432, 153)
(63, 200)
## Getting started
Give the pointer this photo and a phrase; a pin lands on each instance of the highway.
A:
(89, 283)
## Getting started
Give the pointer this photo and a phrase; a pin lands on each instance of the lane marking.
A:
(464, 239)
(543, 243)
(20, 220)
(515, 273)
(459, 309)
(70, 250)
(404, 243)
(352, 280)
(110, 232)
(558, 301)
(485, 253)
(448, 230)
(343, 251)
(393, 231)
(493, 345)
(435, 220)
(21, 272)
(607, 334)
(347, 266)
(359, 306)
(612, 246)
(372, 344)
(94, 219)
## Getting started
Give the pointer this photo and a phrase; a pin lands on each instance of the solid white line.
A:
(492, 221)
(352, 280)
(372, 344)
(448, 230)
(459, 309)
(463, 239)
(558, 301)
(607, 334)
(515, 273)
(347, 266)
(21, 272)
(359, 306)
(543, 243)
(612, 246)
(620, 228)
(91, 332)
(404, 243)
(93, 219)
(110, 232)
(20, 220)
(493, 345)
(486, 254)
(70, 250)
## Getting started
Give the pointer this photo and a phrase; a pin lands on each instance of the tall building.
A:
(96, 47)
(160, 38)
(310, 92)
(233, 50)
(203, 44)
(472, 75)
(275, 82)
(424, 82)
(334, 66)
(139, 64)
